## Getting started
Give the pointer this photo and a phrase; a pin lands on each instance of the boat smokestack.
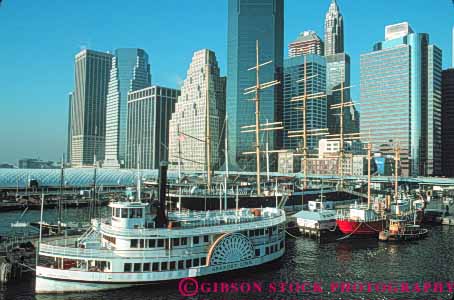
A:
(161, 217)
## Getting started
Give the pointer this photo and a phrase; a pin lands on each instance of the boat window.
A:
(206, 238)
(195, 240)
(160, 243)
(146, 267)
(267, 250)
(257, 252)
(172, 266)
(195, 262)
(203, 261)
(155, 266)
(251, 233)
(127, 267)
(164, 266)
(257, 232)
(151, 243)
(184, 241)
(181, 264)
(117, 212)
(134, 243)
(188, 263)
(124, 212)
(262, 231)
(142, 243)
(176, 242)
(137, 267)
(282, 244)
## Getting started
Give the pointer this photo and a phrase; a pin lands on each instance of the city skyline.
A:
(49, 76)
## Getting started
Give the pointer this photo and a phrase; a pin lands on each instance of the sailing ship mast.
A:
(259, 127)
(62, 172)
(207, 127)
(396, 171)
(342, 136)
(369, 158)
(305, 133)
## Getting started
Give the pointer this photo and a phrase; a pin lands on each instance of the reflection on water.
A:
(431, 259)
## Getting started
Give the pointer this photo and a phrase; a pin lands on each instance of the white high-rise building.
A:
(187, 129)
(130, 72)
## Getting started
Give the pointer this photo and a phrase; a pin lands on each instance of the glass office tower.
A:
(88, 117)
(130, 72)
(400, 98)
(316, 109)
(448, 122)
(248, 21)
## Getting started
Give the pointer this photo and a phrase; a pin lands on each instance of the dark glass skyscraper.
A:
(248, 21)
(448, 122)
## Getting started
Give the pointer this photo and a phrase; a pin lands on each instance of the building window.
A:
(134, 243)
(137, 267)
(188, 263)
(127, 267)
(146, 267)
(164, 266)
(195, 262)
(155, 266)
(181, 264)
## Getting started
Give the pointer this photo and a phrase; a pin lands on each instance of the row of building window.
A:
(165, 265)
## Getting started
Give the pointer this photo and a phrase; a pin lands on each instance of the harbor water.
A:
(305, 261)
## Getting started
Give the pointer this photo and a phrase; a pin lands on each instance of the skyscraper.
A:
(130, 72)
(69, 134)
(149, 112)
(250, 21)
(334, 30)
(92, 71)
(400, 102)
(448, 122)
(308, 42)
(188, 128)
(293, 86)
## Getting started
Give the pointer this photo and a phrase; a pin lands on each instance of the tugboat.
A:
(137, 245)
(399, 230)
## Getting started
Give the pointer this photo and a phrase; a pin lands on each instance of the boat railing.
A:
(195, 230)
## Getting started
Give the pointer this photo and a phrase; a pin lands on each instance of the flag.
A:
(181, 137)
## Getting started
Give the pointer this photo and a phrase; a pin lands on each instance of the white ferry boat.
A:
(129, 249)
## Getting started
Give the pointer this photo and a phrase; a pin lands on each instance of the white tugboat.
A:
(136, 247)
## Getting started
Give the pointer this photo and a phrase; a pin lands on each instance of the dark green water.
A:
(354, 261)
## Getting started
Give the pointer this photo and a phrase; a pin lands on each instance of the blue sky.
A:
(40, 38)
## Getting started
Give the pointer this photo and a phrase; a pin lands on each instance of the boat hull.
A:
(53, 281)
(361, 228)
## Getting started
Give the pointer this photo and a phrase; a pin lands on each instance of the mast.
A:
(396, 171)
(92, 212)
(179, 167)
(257, 117)
(226, 152)
(267, 155)
(60, 199)
(257, 126)
(341, 137)
(138, 174)
(369, 158)
(207, 127)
